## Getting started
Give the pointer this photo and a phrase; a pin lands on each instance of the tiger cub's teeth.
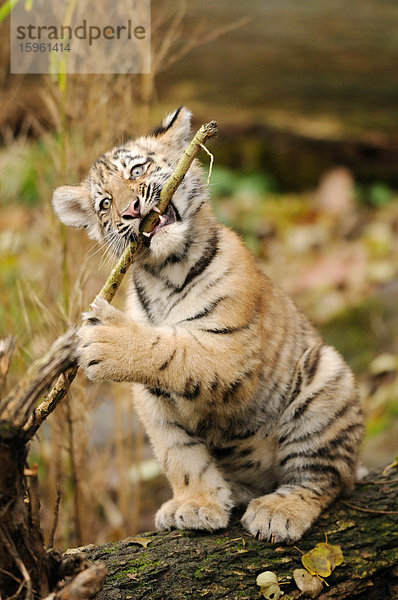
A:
(155, 208)
(146, 234)
(162, 219)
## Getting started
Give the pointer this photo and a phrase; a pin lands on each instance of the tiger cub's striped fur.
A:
(241, 399)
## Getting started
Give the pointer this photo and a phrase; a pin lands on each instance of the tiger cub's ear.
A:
(175, 128)
(73, 205)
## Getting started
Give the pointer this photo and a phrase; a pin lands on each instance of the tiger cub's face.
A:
(124, 184)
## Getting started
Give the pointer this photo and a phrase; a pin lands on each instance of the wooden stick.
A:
(17, 407)
(50, 402)
(112, 284)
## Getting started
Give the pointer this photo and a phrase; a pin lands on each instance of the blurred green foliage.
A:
(23, 173)
(351, 332)
(227, 182)
(376, 195)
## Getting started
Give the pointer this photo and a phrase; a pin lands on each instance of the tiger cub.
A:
(242, 400)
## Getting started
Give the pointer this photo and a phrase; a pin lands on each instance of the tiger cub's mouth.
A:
(170, 216)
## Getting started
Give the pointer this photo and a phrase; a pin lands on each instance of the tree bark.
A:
(181, 564)
(85, 586)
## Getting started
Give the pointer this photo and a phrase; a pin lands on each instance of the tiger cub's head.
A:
(124, 184)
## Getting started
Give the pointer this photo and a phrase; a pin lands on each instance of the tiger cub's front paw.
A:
(209, 516)
(104, 343)
(279, 519)
(165, 517)
(190, 514)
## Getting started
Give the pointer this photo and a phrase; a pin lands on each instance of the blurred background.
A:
(306, 170)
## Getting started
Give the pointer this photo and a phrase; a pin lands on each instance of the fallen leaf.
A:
(79, 549)
(310, 585)
(138, 540)
(322, 559)
(269, 586)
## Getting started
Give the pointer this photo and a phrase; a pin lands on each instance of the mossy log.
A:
(184, 564)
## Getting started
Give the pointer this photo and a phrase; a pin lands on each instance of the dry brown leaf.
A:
(139, 540)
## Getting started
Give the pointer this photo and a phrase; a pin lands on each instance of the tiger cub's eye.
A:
(105, 204)
(137, 171)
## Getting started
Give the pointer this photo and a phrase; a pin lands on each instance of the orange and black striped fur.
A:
(240, 397)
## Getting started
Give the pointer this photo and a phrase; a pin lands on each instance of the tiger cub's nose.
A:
(133, 211)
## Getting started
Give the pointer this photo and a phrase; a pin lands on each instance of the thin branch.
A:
(368, 510)
(18, 405)
(19, 590)
(49, 404)
(11, 575)
(18, 561)
(378, 482)
(75, 474)
(55, 518)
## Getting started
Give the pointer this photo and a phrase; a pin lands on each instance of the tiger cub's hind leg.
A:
(319, 435)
